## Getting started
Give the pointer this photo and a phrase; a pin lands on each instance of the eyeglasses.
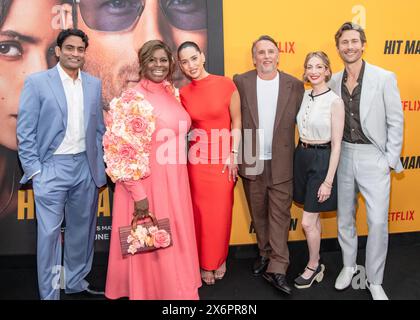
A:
(122, 15)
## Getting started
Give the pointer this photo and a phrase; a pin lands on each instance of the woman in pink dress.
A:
(171, 273)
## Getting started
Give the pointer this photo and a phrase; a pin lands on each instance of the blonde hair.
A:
(321, 55)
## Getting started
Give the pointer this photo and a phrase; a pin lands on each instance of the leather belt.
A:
(315, 146)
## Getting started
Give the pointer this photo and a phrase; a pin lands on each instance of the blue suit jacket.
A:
(42, 122)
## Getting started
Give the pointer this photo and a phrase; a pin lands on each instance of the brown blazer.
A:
(291, 92)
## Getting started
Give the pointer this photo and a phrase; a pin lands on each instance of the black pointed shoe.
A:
(260, 265)
(278, 280)
(318, 275)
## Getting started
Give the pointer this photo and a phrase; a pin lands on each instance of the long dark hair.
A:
(4, 10)
(145, 54)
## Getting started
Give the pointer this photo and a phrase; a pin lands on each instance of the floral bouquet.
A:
(145, 236)
(127, 141)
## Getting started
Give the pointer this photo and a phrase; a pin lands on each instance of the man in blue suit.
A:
(60, 128)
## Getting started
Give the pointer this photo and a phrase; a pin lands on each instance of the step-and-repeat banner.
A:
(393, 42)
(28, 30)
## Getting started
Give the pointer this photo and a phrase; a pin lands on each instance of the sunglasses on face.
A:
(121, 15)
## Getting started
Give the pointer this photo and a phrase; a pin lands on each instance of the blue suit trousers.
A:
(65, 190)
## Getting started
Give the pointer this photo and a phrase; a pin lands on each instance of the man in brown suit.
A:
(270, 100)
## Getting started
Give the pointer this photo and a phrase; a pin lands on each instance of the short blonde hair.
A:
(321, 55)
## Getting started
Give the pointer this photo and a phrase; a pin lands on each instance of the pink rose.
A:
(128, 95)
(161, 239)
(138, 125)
(127, 152)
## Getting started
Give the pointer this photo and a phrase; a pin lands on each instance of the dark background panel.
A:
(215, 40)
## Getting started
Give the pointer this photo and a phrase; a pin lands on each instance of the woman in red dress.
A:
(213, 104)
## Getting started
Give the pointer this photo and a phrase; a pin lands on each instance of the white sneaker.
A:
(376, 291)
(343, 280)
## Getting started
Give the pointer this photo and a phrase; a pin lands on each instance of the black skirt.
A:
(309, 172)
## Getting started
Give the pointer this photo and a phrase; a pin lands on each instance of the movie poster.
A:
(116, 30)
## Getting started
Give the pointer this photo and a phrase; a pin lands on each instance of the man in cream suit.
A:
(60, 128)
(371, 148)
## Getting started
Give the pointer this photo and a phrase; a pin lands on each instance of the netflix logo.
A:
(411, 105)
(287, 47)
(408, 215)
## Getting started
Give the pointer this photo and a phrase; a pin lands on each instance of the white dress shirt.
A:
(74, 140)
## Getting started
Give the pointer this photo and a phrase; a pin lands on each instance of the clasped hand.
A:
(141, 208)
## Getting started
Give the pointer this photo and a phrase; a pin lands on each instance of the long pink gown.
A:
(171, 273)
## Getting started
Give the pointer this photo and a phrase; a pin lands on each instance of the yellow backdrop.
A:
(303, 26)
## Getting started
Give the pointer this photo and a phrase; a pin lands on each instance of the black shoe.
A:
(278, 280)
(318, 275)
(260, 265)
